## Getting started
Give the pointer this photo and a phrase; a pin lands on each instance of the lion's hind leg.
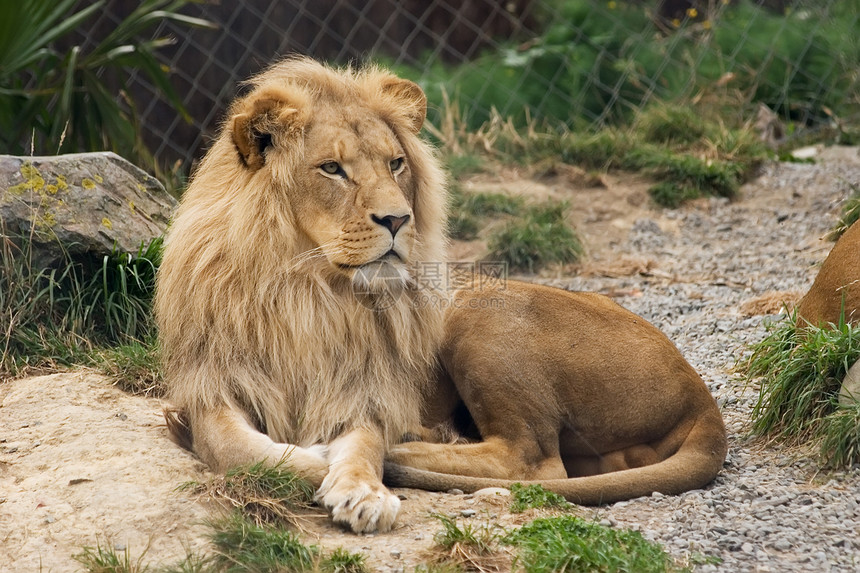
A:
(625, 459)
(495, 457)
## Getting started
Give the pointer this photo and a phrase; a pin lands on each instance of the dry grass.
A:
(265, 494)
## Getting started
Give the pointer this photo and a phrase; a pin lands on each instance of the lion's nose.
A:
(391, 222)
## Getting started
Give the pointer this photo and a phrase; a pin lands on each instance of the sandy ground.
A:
(82, 463)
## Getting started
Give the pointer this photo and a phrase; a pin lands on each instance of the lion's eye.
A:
(333, 168)
(395, 164)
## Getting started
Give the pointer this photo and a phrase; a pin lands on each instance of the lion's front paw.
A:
(364, 507)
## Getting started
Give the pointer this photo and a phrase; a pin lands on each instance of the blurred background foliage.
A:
(151, 79)
(57, 96)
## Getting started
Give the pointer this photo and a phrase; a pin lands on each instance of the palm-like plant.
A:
(52, 101)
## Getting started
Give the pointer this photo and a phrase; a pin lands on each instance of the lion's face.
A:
(346, 173)
(359, 208)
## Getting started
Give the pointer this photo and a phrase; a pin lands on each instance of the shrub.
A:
(540, 236)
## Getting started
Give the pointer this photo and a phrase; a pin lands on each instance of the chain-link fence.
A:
(579, 63)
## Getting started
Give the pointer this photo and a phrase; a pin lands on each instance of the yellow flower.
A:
(692, 12)
(706, 24)
(676, 23)
(611, 4)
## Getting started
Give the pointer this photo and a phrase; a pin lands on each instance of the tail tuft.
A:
(178, 427)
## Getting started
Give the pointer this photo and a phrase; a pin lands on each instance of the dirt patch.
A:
(83, 463)
(603, 210)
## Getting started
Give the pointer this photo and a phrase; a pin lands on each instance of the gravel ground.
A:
(770, 509)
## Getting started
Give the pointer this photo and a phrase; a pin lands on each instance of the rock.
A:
(492, 492)
(850, 391)
(82, 204)
(468, 513)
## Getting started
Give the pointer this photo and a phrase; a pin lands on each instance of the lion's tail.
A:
(694, 465)
(178, 427)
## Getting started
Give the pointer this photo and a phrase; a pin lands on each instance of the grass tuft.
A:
(134, 365)
(461, 165)
(850, 214)
(602, 150)
(839, 433)
(468, 547)
(469, 211)
(342, 561)
(571, 544)
(672, 195)
(801, 369)
(266, 494)
(241, 546)
(669, 124)
(540, 236)
(535, 497)
(57, 317)
(689, 152)
(108, 560)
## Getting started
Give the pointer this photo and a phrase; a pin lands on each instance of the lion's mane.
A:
(250, 316)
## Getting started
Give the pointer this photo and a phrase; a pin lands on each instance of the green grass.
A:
(466, 548)
(572, 544)
(470, 211)
(688, 151)
(481, 538)
(527, 238)
(135, 365)
(242, 546)
(800, 372)
(540, 236)
(238, 545)
(839, 433)
(592, 53)
(266, 494)
(460, 165)
(669, 125)
(850, 213)
(672, 195)
(342, 561)
(534, 497)
(108, 560)
(63, 316)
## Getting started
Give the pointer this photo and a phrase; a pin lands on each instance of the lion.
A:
(567, 390)
(835, 292)
(834, 298)
(316, 188)
(294, 325)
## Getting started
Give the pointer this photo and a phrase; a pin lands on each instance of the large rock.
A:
(80, 204)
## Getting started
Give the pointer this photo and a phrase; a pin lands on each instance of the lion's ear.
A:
(262, 119)
(410, 100)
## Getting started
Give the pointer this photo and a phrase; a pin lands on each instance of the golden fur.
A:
(292, 325)
(268, 352)
(568, 390)
(837, 285)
